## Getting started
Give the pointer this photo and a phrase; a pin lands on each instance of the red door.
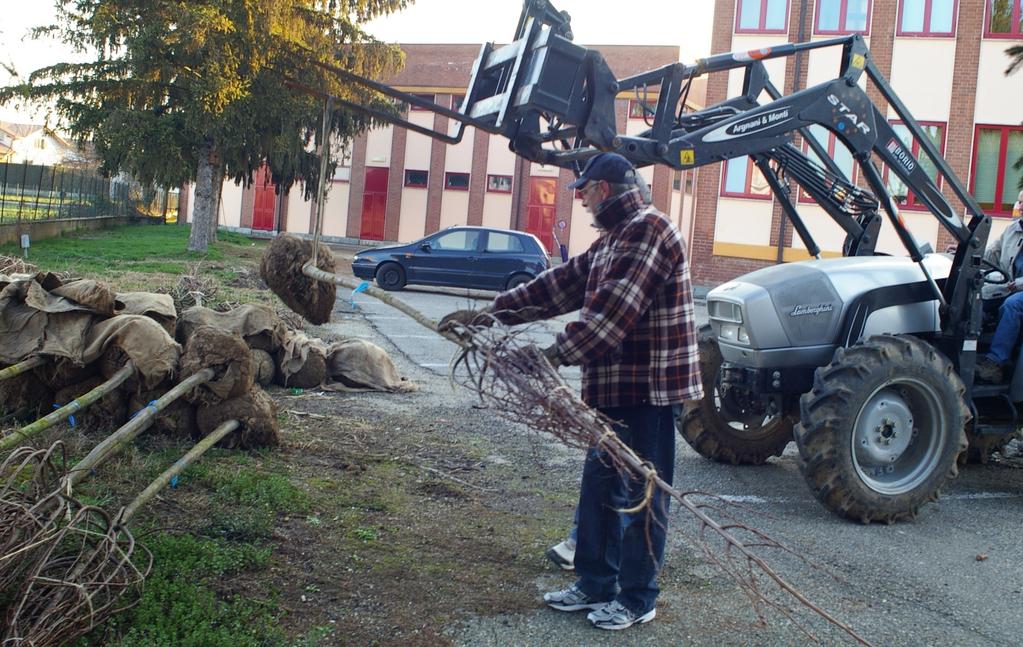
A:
(541, 209)
(374, 204)
(266, 201)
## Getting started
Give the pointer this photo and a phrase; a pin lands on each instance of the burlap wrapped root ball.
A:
(228, 356)
(62, 373)
(25, 397)
(255, 410)
(176, 420)
(310, 374)
(107, 413)
(281, 269)
(263, 367)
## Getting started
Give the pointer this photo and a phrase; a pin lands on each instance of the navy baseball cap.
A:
(611, 167)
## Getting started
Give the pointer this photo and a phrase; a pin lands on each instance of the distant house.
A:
(35, 144)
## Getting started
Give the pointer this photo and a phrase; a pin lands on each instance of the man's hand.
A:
(551, 353)
(464, 319)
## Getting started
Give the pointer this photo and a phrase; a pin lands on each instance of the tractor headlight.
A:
(725, 311)
(734, 332)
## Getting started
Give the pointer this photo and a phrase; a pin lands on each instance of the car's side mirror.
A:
(425, 246)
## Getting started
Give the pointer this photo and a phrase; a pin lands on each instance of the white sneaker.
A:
(563, 554)
(615, 616)
(572, 599)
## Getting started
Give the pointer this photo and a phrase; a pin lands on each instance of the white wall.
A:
(336, 209)
(231, 205)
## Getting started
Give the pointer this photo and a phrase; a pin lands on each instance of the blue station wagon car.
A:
(465, 257)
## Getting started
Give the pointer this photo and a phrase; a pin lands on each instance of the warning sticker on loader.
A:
(687, 156)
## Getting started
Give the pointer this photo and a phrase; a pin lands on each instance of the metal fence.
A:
(35, 192)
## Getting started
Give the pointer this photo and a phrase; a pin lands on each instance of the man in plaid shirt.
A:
(636, 343)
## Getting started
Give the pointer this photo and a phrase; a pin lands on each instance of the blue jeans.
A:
(1010, 315)
(617, 556)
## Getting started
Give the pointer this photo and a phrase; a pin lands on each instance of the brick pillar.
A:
(183, 210)
(792, 84)
(960, 129)
(248, 204)
(435, 186)
(356, 187)
(882, 41)
(706, 190)
(520, 194)
(478, 176)
(395, 183)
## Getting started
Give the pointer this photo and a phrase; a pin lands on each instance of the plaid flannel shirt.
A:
(635, 338)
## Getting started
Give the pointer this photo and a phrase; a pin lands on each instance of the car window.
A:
(498, 242)
(464, 240)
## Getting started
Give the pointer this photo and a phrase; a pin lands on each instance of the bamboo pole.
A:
(23, 366)
(34, 429)
(131, 429)
(161, 481)
(314, 272)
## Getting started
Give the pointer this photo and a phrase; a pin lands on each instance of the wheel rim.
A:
(898, 436)
(391, 277)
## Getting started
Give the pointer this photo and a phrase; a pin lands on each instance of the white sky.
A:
(686, 23)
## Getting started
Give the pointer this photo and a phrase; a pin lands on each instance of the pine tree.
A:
(200, 90)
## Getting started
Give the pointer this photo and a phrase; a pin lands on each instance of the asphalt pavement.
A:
(953, 576)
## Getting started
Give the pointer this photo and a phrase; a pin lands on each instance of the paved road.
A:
(953, 576)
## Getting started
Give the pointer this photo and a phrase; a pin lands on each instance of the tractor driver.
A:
(1004, 252)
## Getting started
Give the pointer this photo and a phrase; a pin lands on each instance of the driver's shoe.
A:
(988, 370)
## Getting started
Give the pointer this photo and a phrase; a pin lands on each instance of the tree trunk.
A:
(218, 190)
(204, 216)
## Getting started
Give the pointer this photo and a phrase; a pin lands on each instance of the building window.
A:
(416, 179)
(424, 97)
(40, 143)
(995, 179)
(842, 17)
(642, 109)
(1003, 19)
(935, 131)
(744, 180)
(761, 16)
(456, 181)
(927, 17)
(836, 150)
(499, 183)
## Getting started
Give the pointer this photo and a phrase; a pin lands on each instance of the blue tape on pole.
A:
(70, 419)
(361, 288)
(174, 481)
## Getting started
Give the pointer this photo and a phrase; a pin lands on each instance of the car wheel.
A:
(518, 279)
(390, 276)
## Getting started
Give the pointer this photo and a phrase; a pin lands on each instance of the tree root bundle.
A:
(228, 356)
(281, 269)
(263, 366)
(255, 410)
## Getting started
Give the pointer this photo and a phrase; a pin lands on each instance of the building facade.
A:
(397, 186)
(946, 61)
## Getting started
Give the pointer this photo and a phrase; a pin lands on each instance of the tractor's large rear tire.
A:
(719, 429)
(881, 429)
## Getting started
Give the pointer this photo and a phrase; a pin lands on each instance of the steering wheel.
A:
(993, 269)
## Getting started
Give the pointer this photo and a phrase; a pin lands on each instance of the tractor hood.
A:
(803, 305)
